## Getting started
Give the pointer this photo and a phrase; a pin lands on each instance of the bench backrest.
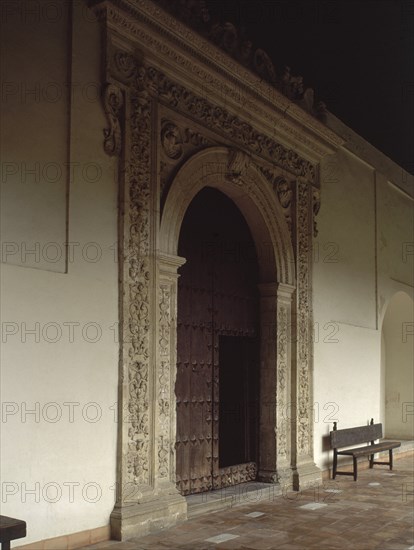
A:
(354, 436)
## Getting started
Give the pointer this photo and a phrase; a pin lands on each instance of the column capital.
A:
(285, 291)
(169, 264)
(279, 290)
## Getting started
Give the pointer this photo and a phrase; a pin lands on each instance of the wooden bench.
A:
(10, 529)
(356, 436)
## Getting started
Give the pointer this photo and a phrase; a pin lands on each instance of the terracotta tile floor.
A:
(376, 512)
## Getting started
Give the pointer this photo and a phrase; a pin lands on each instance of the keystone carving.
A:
(237, 165)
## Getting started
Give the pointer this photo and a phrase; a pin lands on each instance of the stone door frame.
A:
(170, 140)
(259, 206)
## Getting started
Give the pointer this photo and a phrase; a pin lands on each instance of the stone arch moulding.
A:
(234, 173)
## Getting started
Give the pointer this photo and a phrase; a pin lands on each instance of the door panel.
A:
(238, 400)
(217, 306)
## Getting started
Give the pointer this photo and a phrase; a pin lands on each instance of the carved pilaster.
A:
(145, 433)
(284, 361)
(275, 414)
(166, 368)
(306, 472)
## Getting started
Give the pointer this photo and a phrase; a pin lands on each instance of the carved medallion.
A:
(171, 140)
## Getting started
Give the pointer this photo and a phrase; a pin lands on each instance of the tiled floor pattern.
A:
(376, 512)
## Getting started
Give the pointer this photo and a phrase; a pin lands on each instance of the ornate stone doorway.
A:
(183, 116)
(218, 351)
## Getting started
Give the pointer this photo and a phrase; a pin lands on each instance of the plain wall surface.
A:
(362, 257)
(59, 346)
(398, 392)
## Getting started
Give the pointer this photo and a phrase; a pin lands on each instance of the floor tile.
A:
(255, 514)
(223, 537)
(373, 513)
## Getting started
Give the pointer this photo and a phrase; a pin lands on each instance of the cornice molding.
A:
(198, 64)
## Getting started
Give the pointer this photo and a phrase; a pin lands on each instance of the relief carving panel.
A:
(304, 317)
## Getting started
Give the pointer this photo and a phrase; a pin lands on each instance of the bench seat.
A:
(11, 529)
(370, 449)
(341, 440)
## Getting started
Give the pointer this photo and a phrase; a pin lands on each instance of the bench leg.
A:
(390, 452)
(355, 468)
(5, 545)
(335, 464)
(371, 461)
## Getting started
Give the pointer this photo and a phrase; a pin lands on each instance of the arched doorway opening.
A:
(283, 312)
(397, 354)
(218, 347)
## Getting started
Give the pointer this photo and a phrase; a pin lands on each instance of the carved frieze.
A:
(151, 81)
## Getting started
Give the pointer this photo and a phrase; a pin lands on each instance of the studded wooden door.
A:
(217, 355)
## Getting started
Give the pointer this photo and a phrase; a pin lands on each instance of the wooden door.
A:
(217, 355)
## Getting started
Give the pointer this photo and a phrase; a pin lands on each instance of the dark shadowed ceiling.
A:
(358, 55)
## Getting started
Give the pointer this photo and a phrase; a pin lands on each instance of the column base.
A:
(139, 519)
(306, 475)
(283, 477)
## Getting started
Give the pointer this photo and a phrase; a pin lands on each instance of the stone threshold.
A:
(227, 497)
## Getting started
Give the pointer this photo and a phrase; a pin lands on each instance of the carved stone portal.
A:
(155, 122)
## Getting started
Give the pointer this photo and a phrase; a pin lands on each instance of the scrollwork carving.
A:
(137, 285)
(151, 82)
(113, 103)
(316, 205)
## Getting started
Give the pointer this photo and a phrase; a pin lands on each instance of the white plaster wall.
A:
(58, 464)
(346, 377)
(398, 334)
(34, 133)
(366, 217)
(395, 245)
